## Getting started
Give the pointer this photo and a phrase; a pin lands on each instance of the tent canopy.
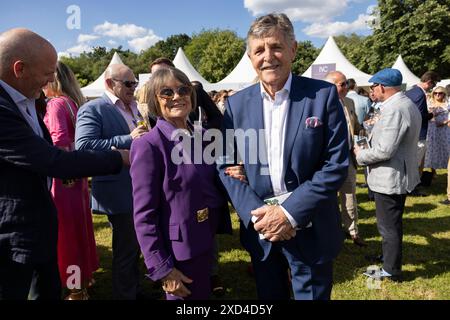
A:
(96, 88)
(242, 76)
(332, 59)
(182, 62)
(408, 77)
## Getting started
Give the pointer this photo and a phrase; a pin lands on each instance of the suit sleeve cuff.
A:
(289, 217)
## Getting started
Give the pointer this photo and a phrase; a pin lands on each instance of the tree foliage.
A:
(418, 30)
(304, 57)
(221, 55)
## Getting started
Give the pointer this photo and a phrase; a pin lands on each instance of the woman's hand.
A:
(237, 172)
(174, 282)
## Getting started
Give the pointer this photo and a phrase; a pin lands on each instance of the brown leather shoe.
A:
(359, 241)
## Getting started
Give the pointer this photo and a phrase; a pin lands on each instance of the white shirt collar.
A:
(15, 95)
(388, 99)
(286, 88)
(111, 97)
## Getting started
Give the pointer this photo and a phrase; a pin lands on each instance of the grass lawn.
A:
(426, 254)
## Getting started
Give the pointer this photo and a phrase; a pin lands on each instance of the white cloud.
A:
(306, 10)
(79, 49)
(63, 54)
(142, 43)
(87, 38)
(324, 30)
(138, 38)
(124, 31)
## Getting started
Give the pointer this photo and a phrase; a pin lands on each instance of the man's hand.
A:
(273, 223)
(139, 131)
(173, 283)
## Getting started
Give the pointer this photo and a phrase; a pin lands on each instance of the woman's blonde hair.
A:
(438, 89)
(66, 84)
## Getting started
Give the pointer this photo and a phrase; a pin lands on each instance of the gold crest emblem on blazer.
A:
(202, 215)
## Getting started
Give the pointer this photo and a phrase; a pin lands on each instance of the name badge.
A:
(202, 215)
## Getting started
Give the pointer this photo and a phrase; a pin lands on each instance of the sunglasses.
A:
(343, 84)
(374, 86)
(128, 84)
(169, 93)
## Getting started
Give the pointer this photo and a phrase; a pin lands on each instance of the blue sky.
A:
(138, 24)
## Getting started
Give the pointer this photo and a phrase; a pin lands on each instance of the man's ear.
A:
(109, 83)
(19, 69)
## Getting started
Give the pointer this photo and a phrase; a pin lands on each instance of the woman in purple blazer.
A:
(178, 207)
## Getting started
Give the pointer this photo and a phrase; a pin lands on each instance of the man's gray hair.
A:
(266, 26)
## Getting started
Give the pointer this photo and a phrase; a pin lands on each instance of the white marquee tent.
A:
(182, 62)
(96, 88)
(242, 76)
(332, 59)
(408, 77)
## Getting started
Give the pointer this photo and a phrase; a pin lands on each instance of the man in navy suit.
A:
(298, 130)
(418, 95)
(28, 219)
(113, 121)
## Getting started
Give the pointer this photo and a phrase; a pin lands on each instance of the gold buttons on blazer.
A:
(202, 215)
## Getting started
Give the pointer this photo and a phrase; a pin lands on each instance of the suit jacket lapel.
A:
(295, 113)
(12, 105)
(256, 122)
(116, 114)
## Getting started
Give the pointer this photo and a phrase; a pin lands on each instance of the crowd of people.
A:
(296, 201)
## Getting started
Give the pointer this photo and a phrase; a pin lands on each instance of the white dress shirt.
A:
(26, 106)
(275, 113)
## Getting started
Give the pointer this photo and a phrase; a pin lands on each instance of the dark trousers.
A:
(389, 212)
(38, 282)
(126, 253)
(308, 282)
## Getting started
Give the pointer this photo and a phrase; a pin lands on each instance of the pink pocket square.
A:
(313, 122)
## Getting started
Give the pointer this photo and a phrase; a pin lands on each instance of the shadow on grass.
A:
(430, 259)
(420, 208)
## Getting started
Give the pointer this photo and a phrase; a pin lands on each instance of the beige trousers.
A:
(347, 196)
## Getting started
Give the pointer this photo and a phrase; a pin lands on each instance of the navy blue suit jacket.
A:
(316, 161)
(28, 220)
(100, 126)
(417, 96)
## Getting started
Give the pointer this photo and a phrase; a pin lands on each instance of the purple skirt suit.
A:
(169, 202)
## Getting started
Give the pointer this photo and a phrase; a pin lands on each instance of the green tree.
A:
(195, 50)
(418, 30)
(221, 55)
(165, 48)
(215, 53)
(304, 57)
(353, 48)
